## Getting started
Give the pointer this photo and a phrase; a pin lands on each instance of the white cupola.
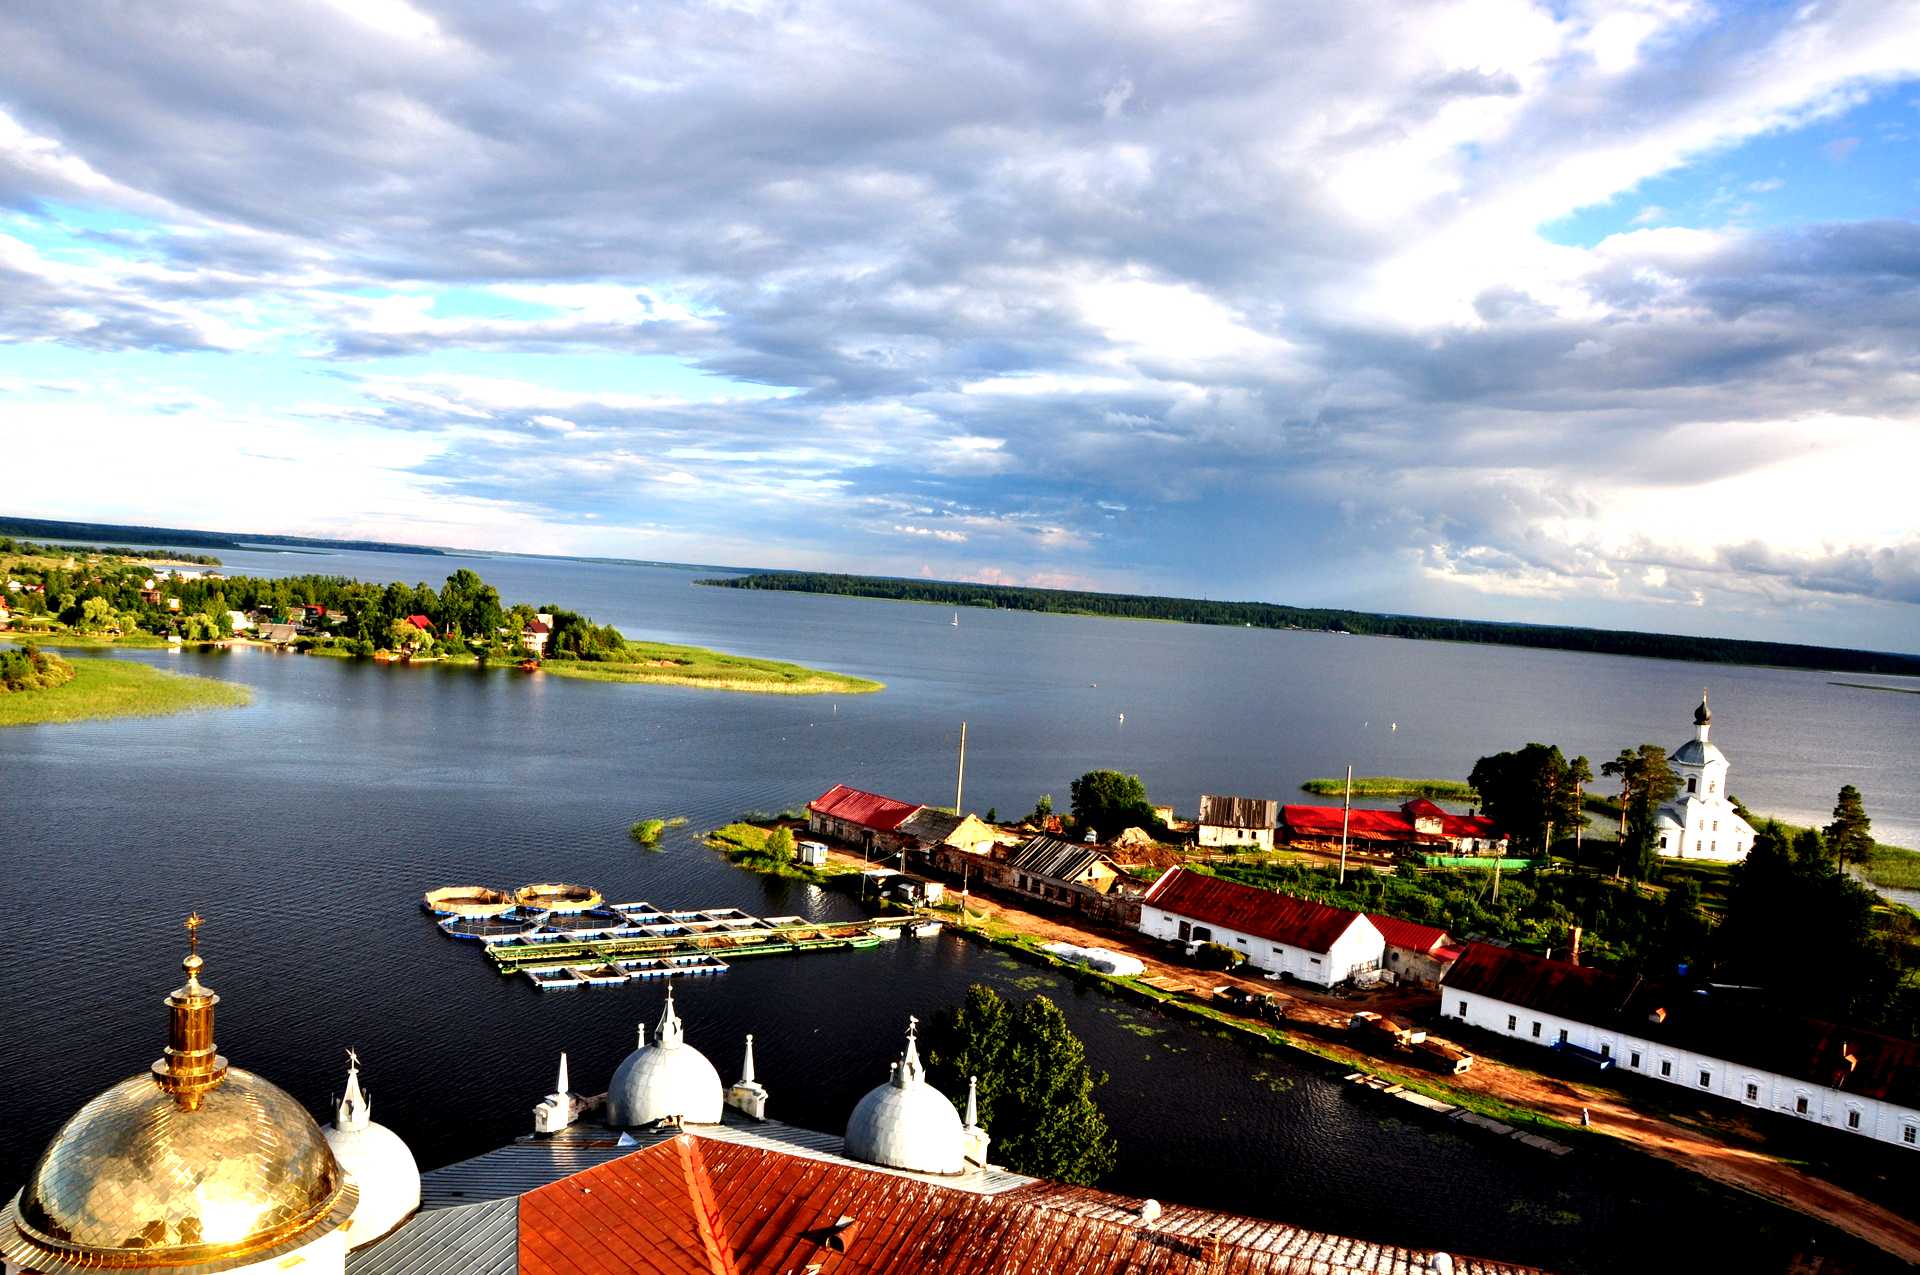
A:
(376, 1159)
(749, 1095)
(667, 1080)
(908, 1124)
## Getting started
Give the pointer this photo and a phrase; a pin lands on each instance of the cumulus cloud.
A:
(1061, 292)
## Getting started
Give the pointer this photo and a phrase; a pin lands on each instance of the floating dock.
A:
(587, 942)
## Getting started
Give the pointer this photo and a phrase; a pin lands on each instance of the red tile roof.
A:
(706, 1206)
(867, 809)
(1408, 934)
(1263, 913)
(539, 626)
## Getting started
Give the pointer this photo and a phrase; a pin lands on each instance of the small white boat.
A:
(924, 929)
(888, 932)
(956, 619)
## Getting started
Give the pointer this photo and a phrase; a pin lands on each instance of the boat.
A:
(956, 619)
(888, 932)
(551, 980)
(925, 929)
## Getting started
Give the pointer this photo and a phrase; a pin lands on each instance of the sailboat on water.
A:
(956, 619)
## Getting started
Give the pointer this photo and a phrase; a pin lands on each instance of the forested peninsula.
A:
(1270, 615)
(57, 596)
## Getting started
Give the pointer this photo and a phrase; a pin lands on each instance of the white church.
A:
(1701, 822)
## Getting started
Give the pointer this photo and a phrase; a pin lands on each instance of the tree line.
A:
(1269, 615)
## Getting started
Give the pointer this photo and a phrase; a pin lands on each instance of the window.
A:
(1314, 959)
(1513, 1022)
(1712, 846)
(1800, 1105)
(1691, 783)
(1663, 842)
(1706, 1078)
(1536, 1031)
(1910, 1135)
(1278, 950)
(1633, 1060)
(1463, 1009)
(1666, 1066)
(1716, 825)
(1606, 1050)
(1563, 1035)
(1712, 784)
(1753, 1092)
(1853, 1118)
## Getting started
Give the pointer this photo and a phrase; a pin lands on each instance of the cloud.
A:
(1083, 293)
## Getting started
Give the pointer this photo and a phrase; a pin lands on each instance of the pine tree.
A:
(1850, 835)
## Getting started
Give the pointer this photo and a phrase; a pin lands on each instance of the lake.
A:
(306, 825)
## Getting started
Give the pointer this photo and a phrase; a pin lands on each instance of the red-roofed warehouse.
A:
(864, 819)
(1312, 942)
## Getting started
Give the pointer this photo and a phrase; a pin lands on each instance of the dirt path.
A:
(1562, 1100)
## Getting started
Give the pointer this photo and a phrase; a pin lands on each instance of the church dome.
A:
(906, 1123)
(1703, 716)
(667, 1079)
(192, 1163)
(1698, 752)
(379, 1163)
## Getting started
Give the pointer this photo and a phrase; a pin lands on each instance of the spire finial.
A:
(910, 1068)
(668, 1033)
(354, 1110)
(973, 1102)
(746, 1066)
(561, 1084)
(191, 1064)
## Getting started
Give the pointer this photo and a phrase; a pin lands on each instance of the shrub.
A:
(1218, 956)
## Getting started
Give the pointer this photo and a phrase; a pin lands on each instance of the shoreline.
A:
(107, 689)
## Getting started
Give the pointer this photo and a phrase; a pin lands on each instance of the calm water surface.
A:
(307, 824)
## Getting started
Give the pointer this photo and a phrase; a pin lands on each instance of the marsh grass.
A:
(117, 688)
(668, 665)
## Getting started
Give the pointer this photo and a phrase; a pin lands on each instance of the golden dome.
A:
(191, 1164)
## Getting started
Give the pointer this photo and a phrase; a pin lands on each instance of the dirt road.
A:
(1735, 1166)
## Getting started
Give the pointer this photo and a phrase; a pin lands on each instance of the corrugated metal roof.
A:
(868, 809)
(477, 1239)
(523, 1166)
(1238, 812)
(702, 1204)
(1052, 857)
(1721, 1025)
(1361, 825)
(1408, 934)
(1280, 917)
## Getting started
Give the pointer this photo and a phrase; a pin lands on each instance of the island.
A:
(59, 595)
(38, 687)
(1270, 615)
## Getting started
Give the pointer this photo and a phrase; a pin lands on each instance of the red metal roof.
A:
(420, 622)
(1362, 825)
(868, 809)
(539, 626)
(1263, 913)
(695, 1205)
(1408, 934)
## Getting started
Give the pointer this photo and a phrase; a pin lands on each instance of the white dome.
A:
(379, 1164)
(667, 1078)
(907, 1123)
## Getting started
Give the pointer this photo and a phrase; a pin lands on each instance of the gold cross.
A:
(193, 933)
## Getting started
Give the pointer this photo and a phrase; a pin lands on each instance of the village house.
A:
(1464, 834)
(534, 637)
(269, 631)
(1235, 822)
(1072, 875)
(933, 829)
(858, 818)
(238, 621)
(1845, 1078)
(1415, 953)
(1419, 825)
(1277, 933)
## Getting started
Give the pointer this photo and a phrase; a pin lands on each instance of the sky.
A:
(1590, 313)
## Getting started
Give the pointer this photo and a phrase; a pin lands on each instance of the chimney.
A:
(1574, 955)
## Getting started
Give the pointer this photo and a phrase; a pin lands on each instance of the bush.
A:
(647, 831)
(780, 845)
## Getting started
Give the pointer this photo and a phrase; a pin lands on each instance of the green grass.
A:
(746, 846)
(1893, 866)
(647, 831)
(118, 688)
(1392, 786)
(669, 665)
(87, 641)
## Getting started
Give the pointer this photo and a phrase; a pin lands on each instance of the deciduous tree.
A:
(1109, 801)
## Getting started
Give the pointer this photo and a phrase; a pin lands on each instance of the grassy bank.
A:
(669, 665)
(86, 641)
(116, 688)
(1893, 866)
(746, 845)
(1393, 786)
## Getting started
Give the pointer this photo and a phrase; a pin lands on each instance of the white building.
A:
(1237, 821)
(1701, 822)
(1846, 1078)
(1277, 933)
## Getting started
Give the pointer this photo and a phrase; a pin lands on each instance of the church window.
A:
(1663, 841)
(1712, 846)
(1716, 825)
(1712, 784)
(1691, 785)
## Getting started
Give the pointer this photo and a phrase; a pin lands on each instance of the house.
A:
(859, 818)
(1415, 953)
(1464, 834)
(1072, 875)
(6, 616)
(534, 636)
(930, 828)
(1313, 942)
(238, 621)
(1714, 1042)
(271, 632)
(1236, 821)
(420, 622)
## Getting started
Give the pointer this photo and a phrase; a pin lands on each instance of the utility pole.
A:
(960, 780)
(1346, 812)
